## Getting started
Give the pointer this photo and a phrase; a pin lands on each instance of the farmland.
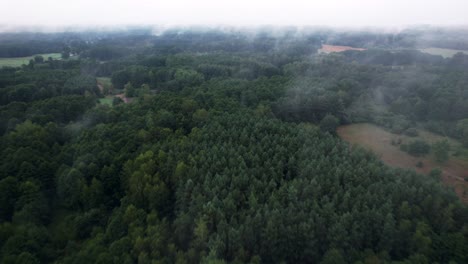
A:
(379, 141)
(17, 62)
(333, 48)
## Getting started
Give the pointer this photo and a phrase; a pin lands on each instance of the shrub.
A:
(417, 148)
(435, 174)
(441, 150)
(412, 132)
(329, 124)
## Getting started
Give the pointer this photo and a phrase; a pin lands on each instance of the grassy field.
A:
(17, 62)
(107, 100)
(379, 141)
(446, 53)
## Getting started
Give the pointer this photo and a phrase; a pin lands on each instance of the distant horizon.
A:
(9, 28)
(55, 14)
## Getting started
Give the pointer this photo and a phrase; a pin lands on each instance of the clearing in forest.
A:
(104, 84)
(333, 48)
(379, 141)
(446, 53)
(17, 62)
(107, 100)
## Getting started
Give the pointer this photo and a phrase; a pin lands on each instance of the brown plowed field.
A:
(333, 48)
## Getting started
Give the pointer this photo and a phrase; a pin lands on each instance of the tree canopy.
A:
(221, 148)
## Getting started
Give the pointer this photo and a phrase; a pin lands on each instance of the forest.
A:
(221, 147)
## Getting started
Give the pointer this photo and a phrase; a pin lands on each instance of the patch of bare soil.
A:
(333, 48)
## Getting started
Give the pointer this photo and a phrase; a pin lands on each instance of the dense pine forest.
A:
(210, 146)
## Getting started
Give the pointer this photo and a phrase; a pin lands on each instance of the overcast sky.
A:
(348, 13)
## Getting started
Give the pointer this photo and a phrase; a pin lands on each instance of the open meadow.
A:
(17, 62)
(446, 53)
(379, 141)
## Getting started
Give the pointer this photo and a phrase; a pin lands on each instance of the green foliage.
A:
(9, 191)
(38, 59)
(120, 78)
(416, 148)
(441, 150)
(200, 116)
(436, 174)
(412, 132)
(116, 101)
(419, 164)
(136, 75)
(329, 124)
(130, 90)
(69, 187)
(81, 84)
(65, 53)
(187, 78)
(333, 256)
(203, 166)
(462, 129)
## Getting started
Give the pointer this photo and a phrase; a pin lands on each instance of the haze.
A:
(356, 13)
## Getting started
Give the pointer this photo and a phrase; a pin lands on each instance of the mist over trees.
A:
(226, 152)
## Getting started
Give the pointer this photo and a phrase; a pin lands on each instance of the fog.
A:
(338, 13)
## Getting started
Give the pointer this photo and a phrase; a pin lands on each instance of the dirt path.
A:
(125, 99)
